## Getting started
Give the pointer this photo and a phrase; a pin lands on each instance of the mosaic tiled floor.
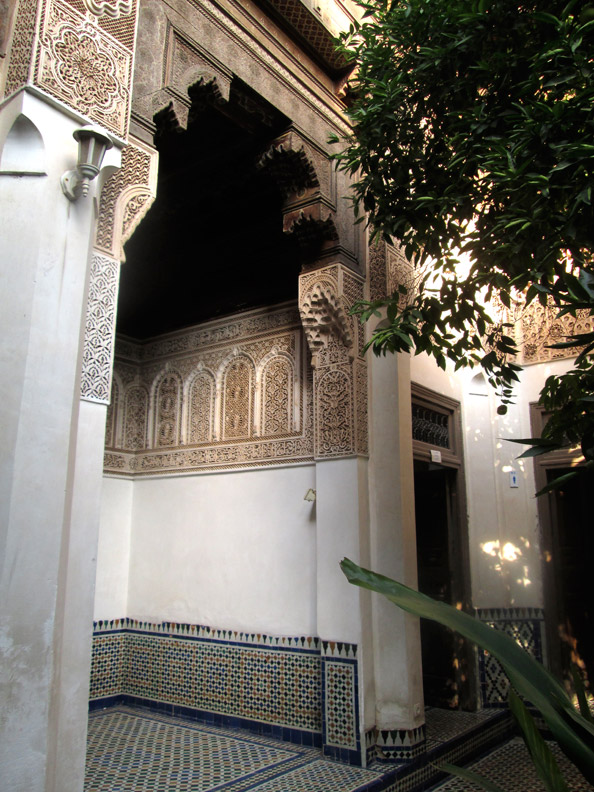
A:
(509, 766)
(135, 750)
(130, 750)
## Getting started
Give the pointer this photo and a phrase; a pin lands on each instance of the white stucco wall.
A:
(234, 550)
(502, 520)
(113, 552)
(50, 454)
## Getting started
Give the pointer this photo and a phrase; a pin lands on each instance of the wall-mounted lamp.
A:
(93, 142)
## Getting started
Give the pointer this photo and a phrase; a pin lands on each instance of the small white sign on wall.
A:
(513, 478)
(435, 456)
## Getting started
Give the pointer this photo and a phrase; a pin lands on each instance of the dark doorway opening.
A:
(444, 654)
(570, 553)
(449, 675)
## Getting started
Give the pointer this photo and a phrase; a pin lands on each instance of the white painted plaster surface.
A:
(342, 517)
(230, 550)
(44, 274)
(397, 649)
(70, 689)
(502, 520)
(113, 553)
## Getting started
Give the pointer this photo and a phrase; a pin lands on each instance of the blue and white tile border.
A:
(527, 626)
(299, 689)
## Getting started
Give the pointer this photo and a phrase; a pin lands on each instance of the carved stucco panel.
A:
(334, 414)
(168, 410)
(109, 8)
(111, 418)
(136, 403)
(21, 57)
(237, 408)
(126, 197)
(277, 399)
(263, 367)
(340, 371)
(538, 327)
(201, 408)
(100, 329)
(85, 67)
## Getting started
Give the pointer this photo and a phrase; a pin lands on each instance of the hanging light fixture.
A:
(93, 142)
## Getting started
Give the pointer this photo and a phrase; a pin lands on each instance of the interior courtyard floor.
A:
(136, 750)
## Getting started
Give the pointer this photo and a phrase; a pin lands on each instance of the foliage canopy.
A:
(473, 136)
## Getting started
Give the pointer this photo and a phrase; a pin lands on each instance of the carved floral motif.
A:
(335, 432)
(238, 399)
(135, 417)
(21, 48)
(84, 67)
(100, 328)
(277, 402)
(168, 411)
(85, 70)
(201, 409)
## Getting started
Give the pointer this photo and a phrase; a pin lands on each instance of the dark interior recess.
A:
(572, 546)
(212, 242)
(446, 656)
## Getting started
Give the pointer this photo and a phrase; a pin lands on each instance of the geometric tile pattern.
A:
(132, 750)
(273, 685)
(510, 767)
(108, 665)
(340, 704)
(525, 625)
(399, 745)
(270, 684)
(129, 750)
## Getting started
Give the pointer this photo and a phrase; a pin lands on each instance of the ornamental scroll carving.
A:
(100, 329)
(226, 394)
(110, 8)
(340, 373)
(126, 197)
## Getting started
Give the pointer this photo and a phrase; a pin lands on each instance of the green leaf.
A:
(580, 692)
(544, 762)
(469, 775)
(539, 450)
(574, 734)
(556, 483)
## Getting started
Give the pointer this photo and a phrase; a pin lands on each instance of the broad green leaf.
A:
(469, 775)
(557, 482)
(580, 692)
(544, 762)
(532, 680)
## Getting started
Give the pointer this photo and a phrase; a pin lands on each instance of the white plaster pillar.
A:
(396, 638)
(343, 610)
(49, 470)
